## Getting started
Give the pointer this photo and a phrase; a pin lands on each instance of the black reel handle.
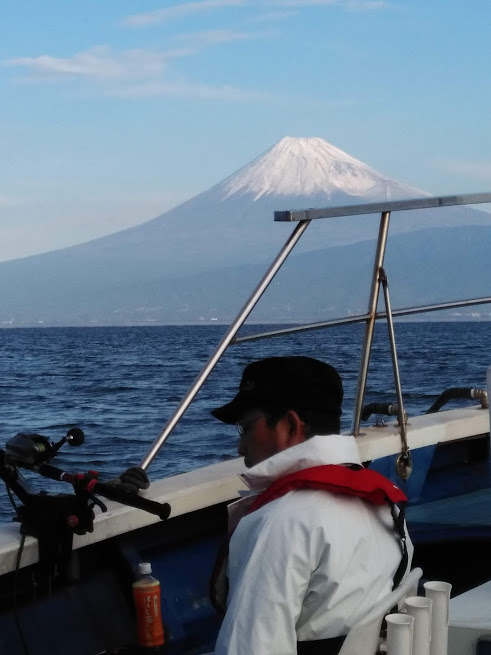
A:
(125, 497)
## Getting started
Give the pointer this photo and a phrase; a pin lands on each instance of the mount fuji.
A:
(151, 272)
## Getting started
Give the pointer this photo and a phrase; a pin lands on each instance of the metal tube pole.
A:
(404, 462)
(370, 322)
(361, 318)
(227, 338)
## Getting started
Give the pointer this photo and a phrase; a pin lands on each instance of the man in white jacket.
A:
(308, 555)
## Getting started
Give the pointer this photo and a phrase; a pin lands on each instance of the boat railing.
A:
(379, 281)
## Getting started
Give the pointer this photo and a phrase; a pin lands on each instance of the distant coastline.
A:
(223, 323)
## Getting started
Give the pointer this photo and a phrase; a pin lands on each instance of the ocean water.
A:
(120, 385)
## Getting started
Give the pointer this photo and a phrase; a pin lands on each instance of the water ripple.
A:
(121, 385)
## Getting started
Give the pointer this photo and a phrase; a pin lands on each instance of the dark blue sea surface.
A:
(120, 385)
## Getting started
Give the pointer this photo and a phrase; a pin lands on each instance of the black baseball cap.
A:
(300, 383)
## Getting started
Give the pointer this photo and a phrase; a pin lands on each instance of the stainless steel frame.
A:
(404, 462)
(378, 277)
(370, 322)
(361, 318)
(224, 343)
(380, 207)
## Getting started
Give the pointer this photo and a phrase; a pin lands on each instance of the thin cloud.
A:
(102, 63)
(178, 11)
(215, 37)
(274, 15)
(302, 3)
(187, 89)
(350, 5)
(366, 5)
(99, 62)
(139, 73)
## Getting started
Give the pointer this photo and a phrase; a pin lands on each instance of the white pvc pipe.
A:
(439, 592)
(399, 634)
(420, 609)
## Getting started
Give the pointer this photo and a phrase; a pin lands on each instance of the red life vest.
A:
(363, 483)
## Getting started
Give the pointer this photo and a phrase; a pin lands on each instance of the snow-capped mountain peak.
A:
(207, 252)
(304, 166)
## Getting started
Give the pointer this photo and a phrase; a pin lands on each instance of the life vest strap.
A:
(330, 646)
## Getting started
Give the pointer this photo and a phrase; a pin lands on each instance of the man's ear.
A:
(296, 428)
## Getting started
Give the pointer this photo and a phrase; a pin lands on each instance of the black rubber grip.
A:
(125, 497)
(450, 394)
(387, 409)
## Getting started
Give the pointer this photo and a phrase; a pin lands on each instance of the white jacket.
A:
(308, 565)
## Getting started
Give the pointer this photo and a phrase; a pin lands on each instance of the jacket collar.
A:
(316, 451)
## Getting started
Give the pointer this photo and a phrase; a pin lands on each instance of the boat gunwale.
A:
(222, 482)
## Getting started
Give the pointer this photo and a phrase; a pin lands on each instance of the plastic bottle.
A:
(146, 594)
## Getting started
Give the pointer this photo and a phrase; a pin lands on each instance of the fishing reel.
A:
(28, 449)
(34, 452)
(54, 518)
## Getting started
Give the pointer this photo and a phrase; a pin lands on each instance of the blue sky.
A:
(114, 111)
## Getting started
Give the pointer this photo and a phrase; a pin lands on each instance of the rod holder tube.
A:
(225, 341)
(419, 608)
(399, 634)
(439, 592)
(370, 322)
